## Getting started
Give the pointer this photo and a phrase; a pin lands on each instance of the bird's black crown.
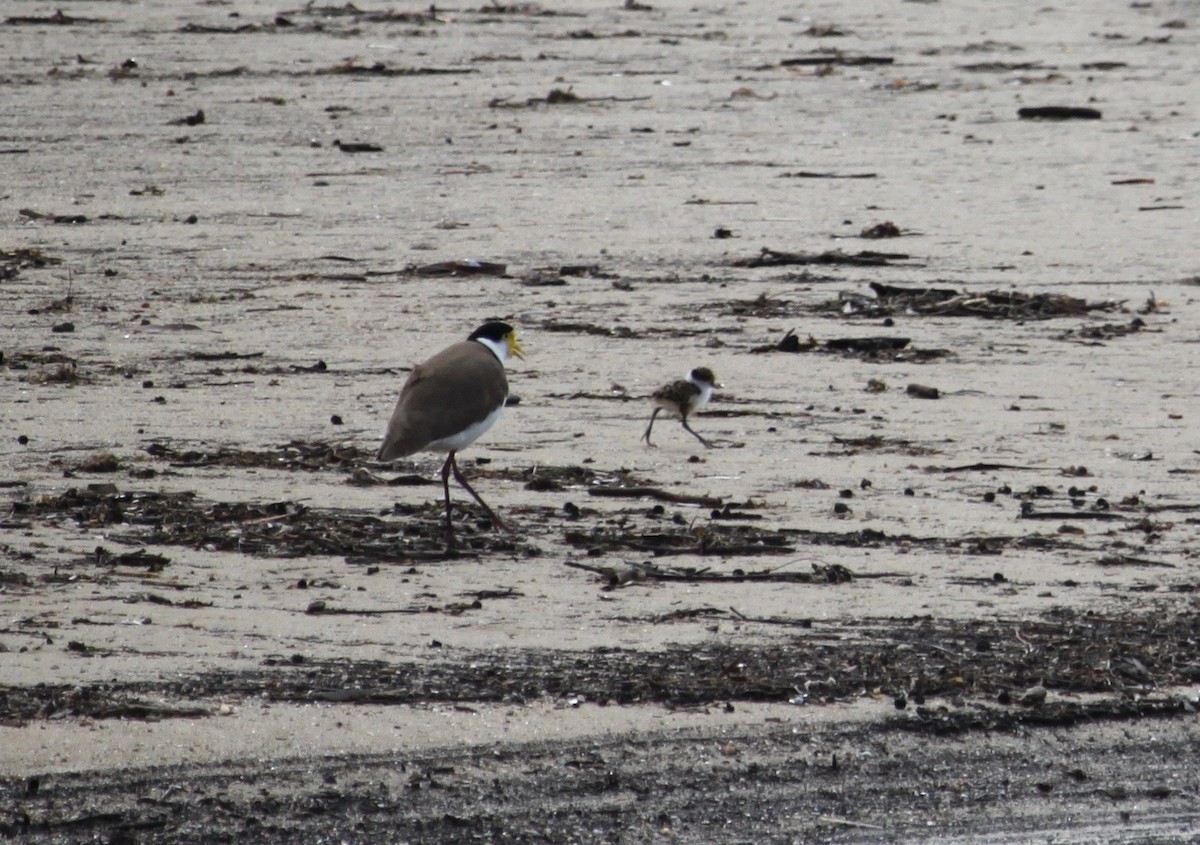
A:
(704, 375)
(492, 330)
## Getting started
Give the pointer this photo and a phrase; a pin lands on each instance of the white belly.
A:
(467, 436)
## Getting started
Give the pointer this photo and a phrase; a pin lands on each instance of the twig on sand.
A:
(656, 493)
(847, 822)
(771, 620)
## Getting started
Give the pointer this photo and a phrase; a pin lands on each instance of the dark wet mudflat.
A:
(847, 784)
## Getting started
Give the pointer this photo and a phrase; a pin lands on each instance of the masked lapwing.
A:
(449, 401)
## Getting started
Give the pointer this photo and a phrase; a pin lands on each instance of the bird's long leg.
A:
(707, 444)
(446, 487)
(646, 436)
(458, 476)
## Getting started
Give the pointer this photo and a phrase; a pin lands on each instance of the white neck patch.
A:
(499, 347)
(706, 392)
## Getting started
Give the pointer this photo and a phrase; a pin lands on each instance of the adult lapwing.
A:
(449, 401)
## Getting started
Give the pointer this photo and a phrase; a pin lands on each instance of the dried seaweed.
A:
(647, 492)
(381, 69)
(460, 269)
(19, 706)
(836, 57)
(1096, 335)
(295, 455)
(13, 261)
(879, 443)
(556, 97)
(56, 19)
(618, 576)
(276, 529)
(761, 306)
(718, 540)
(894, 300)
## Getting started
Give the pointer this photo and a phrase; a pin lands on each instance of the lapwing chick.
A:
(449, 401)
(680, 398)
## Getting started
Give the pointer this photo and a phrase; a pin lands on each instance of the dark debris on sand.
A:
(274, 529)
(895, 300)
(972, 674)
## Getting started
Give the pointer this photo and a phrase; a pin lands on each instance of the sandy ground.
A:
(181, 187)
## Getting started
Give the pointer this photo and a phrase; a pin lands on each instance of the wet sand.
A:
(936, 582)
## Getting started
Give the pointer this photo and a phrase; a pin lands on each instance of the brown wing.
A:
(455, 388)
(676, 395)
